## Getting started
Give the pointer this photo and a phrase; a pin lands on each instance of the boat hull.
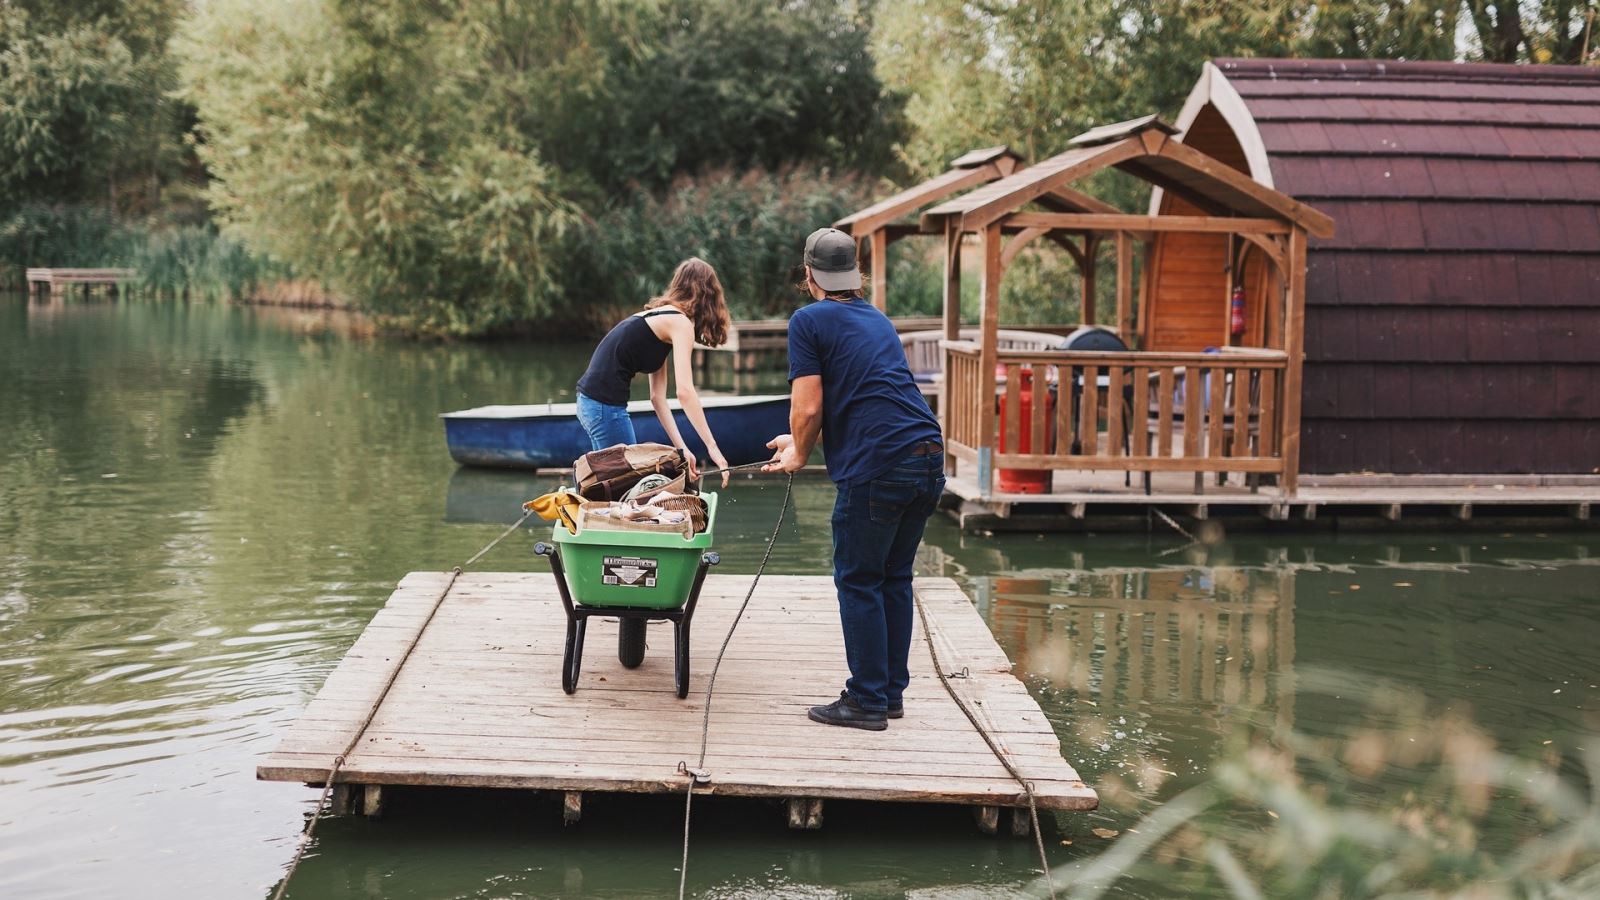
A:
(548, 436)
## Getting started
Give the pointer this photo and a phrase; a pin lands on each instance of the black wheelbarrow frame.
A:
(631, 621)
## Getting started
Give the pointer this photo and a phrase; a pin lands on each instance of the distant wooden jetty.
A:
(478, 703)
(47, 281)
(755, 344)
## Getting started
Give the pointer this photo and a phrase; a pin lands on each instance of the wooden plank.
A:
(1040, 408)
(1124, 285)
(1114, 405)
(1164, 388)
(1216, 410)
(1294, 346)
(1158, 224)
(880, 270)
(1193, 426)
(990, 327)
(1089, 415)
(1139, 424)
(1011, 410)
(479, 704)
(1241, 412)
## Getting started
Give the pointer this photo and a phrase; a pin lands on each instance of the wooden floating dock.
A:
(1106, 501)
(47, 281)
(479, 704)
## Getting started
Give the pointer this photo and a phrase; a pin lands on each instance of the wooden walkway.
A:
(479, 704)
(46, 281)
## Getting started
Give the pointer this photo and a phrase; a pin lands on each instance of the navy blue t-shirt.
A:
(872, 411)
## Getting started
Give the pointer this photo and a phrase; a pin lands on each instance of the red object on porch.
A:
(1025, 481)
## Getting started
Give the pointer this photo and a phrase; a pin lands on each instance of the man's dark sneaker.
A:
(847, 712)
(897, 712)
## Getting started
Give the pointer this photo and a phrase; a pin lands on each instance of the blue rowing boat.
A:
(548, 436)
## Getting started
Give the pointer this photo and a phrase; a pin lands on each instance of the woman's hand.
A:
(694, 465)
(721, 463)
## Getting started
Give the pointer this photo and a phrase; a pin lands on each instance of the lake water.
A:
(201, 506)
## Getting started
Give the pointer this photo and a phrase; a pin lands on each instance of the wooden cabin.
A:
(1452, 324)
(1179, 396)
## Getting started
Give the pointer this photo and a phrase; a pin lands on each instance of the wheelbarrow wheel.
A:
(630, 642)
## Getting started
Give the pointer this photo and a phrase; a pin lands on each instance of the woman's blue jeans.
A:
(605, 424)
(876, 529)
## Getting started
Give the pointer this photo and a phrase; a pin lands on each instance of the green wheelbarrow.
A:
(635, 577)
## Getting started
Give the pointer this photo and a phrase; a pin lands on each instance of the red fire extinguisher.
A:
(1236, 317)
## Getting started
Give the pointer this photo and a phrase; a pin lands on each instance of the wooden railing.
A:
(1171, 412)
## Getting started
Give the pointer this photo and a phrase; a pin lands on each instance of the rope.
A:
(372, 713)
(705, 723)
(1027, 786)
(1179, 529)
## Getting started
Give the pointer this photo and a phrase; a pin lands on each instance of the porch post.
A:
(1086, 308)
(952, 328)
(880, 269)
(1125, 287)
(1294, 347)
(988, 348)
(952, 280)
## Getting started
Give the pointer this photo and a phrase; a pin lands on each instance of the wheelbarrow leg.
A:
(680, 626)
(573, 661)
(680, 662)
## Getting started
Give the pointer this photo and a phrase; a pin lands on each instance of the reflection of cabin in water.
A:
(1201, 636)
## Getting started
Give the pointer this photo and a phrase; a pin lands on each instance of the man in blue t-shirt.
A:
(851, 386)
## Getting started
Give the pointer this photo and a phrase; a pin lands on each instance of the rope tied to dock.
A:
(372, 712)
(1026, 785)
(698, 773)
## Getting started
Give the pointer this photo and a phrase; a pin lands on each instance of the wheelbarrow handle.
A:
(550, 550)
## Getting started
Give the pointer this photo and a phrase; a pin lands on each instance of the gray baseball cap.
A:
(831, 254)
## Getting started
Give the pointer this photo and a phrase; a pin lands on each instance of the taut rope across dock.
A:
(372, 712)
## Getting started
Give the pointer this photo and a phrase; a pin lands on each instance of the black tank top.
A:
(626, 350)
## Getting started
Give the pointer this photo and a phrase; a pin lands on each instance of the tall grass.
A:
(752, 227)
(187, 261)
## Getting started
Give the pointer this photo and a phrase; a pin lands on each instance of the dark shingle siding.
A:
(1453, 321)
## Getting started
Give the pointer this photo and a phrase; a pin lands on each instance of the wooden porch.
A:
(1014, 420)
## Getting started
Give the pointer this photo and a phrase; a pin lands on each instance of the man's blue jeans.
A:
(876, 529)
(606, 425)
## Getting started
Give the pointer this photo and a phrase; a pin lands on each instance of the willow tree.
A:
(354, 141)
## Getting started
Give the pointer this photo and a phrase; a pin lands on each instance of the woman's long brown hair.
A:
(695, 290)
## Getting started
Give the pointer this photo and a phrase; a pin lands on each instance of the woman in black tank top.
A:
(692, 309)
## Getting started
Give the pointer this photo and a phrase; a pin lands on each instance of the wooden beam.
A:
(987, 345)
(1023, 238)
(372, 801)
(571, 807)
(987, 817)
(1124, 285)
(1045, 177)
(952, 284)
(863, 223)
(880, 271)
(1087, 268)
(1318, 223)
(1293, 345)
(1128, 222)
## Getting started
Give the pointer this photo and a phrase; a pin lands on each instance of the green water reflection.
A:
(201, 506)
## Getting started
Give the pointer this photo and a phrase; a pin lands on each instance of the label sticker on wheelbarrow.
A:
(628, 571)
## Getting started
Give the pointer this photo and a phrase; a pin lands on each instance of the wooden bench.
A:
(51, 278)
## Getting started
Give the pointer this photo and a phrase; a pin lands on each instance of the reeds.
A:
(193, 261)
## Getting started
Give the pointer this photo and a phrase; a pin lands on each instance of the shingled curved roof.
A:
(1452, 318)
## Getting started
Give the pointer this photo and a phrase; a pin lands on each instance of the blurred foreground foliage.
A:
(1415, 801)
